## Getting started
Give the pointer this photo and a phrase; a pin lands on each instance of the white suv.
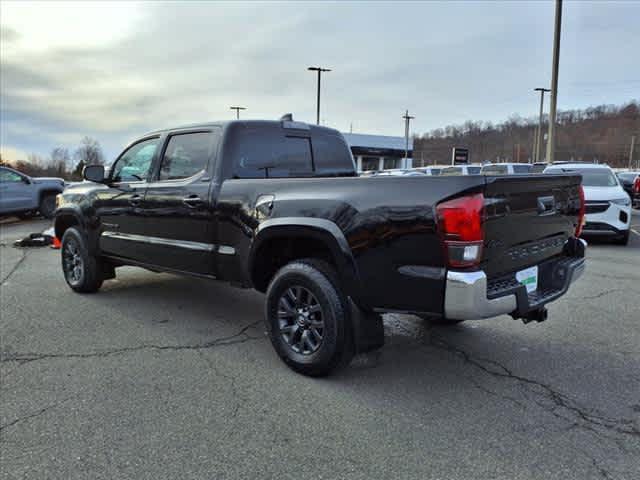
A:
(608, 206)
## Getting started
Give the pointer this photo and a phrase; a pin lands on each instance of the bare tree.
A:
(60, 161)
(89, 152)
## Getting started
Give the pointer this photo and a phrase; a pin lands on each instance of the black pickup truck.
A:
(278, 206)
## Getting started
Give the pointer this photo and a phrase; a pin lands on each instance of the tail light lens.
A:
(636, 185)
(581, 219)
(460, 222)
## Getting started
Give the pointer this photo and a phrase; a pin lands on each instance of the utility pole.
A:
(407, 119)
(633, 144)
(551, 143)
(319, 70)
(538, 139)
(237, 109)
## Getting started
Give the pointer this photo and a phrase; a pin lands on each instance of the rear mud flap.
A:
(368, 330)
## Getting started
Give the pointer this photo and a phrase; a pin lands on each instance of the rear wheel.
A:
(82, 271)
(47, 205)
(307, 320)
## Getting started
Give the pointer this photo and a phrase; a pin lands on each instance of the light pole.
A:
(551, 144)
(237, 109)
(538, 140)
(407, 119)
(319, 70)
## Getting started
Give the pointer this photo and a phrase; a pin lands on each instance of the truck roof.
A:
(289, 124)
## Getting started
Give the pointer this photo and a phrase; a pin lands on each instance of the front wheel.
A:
(47, 205)
(82, 271)
(307, 318)
(623, 239)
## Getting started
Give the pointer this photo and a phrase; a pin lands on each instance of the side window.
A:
(260, 153)
(134, 164)
(332, 155)
(186, 154)
(7, 176)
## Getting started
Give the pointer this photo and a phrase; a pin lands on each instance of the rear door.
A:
(177, 206)
(529, 218)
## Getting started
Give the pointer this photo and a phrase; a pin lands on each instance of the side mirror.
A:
(93, 173)
(26, 180)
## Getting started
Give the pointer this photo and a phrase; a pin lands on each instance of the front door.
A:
(16, 192)
(178, 205)
(120, 206)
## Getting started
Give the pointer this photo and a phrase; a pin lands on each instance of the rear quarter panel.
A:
(388, 223)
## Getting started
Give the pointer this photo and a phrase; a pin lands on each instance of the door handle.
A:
(192, 201)
(135, 199)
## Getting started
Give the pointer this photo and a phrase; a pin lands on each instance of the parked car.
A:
(505, 168)
(398, 172)
(22, 195)
(630, 181)
(278, 206)
(608, 206)
(461, 170)
(433, 170)
(538, 167)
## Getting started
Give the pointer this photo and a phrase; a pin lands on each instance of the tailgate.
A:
(529, 218)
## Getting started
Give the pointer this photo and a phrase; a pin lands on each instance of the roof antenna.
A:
(287, 117)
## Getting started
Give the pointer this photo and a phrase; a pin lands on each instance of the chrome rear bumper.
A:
(467, 295)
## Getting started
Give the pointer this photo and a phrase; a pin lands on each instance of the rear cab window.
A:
(270, 151)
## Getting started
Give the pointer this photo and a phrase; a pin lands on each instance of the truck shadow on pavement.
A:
(433, 366)
(461, 365)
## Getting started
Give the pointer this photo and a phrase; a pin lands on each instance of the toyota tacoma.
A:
(279, 207)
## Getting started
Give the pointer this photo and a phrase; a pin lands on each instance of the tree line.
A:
(61, 162)
(602, 134)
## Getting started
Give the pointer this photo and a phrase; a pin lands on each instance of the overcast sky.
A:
(116, 70)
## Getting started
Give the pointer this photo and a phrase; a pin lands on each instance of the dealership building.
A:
(378, 152)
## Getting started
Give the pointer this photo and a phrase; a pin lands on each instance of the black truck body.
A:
(271, 193)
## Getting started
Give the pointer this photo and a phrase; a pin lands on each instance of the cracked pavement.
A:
(162, 377)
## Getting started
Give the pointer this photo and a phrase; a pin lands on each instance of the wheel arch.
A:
(47, 191)
(279, 241)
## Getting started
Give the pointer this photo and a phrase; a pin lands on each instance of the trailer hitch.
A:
(539, 315)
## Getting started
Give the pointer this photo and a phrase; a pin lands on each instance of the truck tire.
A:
(307, 318)
(82, 271)
(623, 239)
(47, 205)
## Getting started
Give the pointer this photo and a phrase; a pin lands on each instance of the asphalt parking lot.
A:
(163, 377)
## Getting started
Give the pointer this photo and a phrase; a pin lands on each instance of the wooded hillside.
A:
(601, 133)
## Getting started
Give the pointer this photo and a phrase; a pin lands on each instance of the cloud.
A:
(116, 70)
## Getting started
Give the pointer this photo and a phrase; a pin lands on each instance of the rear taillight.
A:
(460, 223)
(581, 219)
(636, 185)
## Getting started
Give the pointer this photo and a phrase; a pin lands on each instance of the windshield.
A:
(591, 177)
